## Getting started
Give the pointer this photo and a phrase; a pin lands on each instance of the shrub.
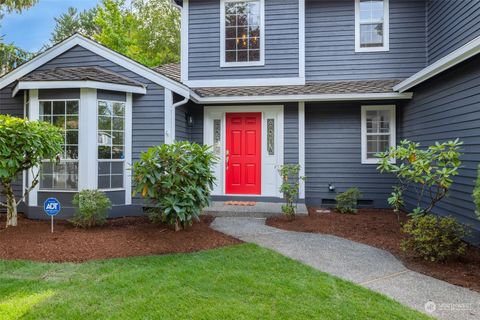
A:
(290, 187)
(476, 194)
(177, 180)
(347, 201)
(426, 172)
(434, 238)
(92, 208)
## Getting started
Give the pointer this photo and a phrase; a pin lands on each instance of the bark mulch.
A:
(381, 229)
(119, 238)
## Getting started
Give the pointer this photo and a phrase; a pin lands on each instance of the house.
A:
(323, 83)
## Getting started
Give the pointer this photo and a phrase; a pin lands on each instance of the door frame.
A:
(270, 180)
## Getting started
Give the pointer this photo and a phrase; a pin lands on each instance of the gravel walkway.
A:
(362, 264)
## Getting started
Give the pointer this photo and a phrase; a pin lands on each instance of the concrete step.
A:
(259, 210)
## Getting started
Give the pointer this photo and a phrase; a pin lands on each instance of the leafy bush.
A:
(434, 238)
(347, 201)
(290, 187)
(177, 179)
(427, 172)
(476, 194)
(92, 208)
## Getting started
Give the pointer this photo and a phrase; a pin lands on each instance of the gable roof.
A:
(170, 70)
(95, 47)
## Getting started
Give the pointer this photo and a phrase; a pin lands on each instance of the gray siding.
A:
(445, 108)
(451, 24)
(281, 43)
(183, 131)
(59, 94)
(330, 42)
(290, 133)
(333, 155)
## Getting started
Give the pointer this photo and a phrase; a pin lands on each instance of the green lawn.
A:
(238, 282)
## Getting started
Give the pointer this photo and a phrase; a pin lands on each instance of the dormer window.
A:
(242, 40)
(371, 25)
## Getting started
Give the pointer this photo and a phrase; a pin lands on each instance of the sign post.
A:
(52, 207)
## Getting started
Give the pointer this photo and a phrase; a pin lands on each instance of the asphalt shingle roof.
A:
(172, 71)
(80, 74)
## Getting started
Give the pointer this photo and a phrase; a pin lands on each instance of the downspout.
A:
(172, 116)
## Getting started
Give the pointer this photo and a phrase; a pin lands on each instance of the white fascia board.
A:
(100, 50)
(455, 57)
(306, 98)
(22, 85)
(248, 82)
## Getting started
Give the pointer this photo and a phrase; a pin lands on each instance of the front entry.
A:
(243, 154)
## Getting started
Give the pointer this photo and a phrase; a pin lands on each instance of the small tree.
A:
(476, 194)
(428, 172)
(177, 179)
(23, 146)
(290, 187)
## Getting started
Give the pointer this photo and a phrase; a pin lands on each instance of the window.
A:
(62, 175)
(111, 144)
(371, 25)
(378, 131)
(242, 39)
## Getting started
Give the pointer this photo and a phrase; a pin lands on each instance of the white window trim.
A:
(393, 129)
(223, 63)
(386, 29)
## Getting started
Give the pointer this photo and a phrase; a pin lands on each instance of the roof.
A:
(339, 87)
(170, 70)
(80, 74)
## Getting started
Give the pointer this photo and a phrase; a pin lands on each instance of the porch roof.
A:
(314, 91)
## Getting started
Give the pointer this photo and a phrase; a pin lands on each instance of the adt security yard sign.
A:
(52, 207)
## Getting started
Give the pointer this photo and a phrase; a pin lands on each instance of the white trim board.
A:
(452, 59)
(301, 146)
(184, 42)
(247, 82)
(270, 178)
(301, 39)
(102, 51)
(305, 98)
(22, 85)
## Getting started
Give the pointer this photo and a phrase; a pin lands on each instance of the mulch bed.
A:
(119, 238)
(381, 229)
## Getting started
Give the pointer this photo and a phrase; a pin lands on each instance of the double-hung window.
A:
(61, 175)
(242, 32)
(111, 144)
(371, 25)
(378, 131)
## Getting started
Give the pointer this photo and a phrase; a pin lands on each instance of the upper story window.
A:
(242, 40)
(371, 25)
(378, 131)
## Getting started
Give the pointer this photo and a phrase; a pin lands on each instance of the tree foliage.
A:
(476, 194)
(177, 179)
(290, 187)
(147, 31)
(23, 146)
(427, 172)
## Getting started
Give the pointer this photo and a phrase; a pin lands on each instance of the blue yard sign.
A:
(52, 207)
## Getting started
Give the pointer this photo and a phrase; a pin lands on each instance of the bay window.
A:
(64, 174)
(111, 144)
(378, 131)
(242, 34)
(371, 25)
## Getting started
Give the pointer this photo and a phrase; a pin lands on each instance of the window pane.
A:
(104, 167)
(103, 109)
(117, 138)
(117, 167)
(72, 137)
(46, 107)
(104, 123)
(104, 182)
(118, 124)
(72, 122)
(117, 152)
(46, 181)
(59, 121)
(118, 109)
(59, 107)
(371, 35)
(104, 152)
(376, 144)
(117, 181)
(378, 121)
(72, 107)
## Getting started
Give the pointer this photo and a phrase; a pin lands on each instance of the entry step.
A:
(256, 209)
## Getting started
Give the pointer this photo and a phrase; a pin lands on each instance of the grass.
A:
(237, 282)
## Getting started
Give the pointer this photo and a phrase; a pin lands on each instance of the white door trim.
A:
(270, 178)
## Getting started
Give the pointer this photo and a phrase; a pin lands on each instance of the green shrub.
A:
(434, 238)
(177, 180)
(290, 187)
(347, 201)
(476, 194)
(92, 208)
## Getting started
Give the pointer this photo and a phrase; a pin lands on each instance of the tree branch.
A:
(34, 184)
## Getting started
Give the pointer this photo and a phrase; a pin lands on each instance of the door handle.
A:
(227, 158)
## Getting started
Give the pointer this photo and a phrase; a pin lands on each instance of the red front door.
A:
(243, 155)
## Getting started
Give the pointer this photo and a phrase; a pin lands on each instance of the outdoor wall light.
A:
(331, 187)
(189, 119)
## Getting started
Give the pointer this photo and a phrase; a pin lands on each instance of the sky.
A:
(31, 29)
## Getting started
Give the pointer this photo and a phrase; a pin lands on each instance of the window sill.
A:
(58, 191)
(366, 50)
(242, 64)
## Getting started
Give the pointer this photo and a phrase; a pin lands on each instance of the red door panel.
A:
(243, 163)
